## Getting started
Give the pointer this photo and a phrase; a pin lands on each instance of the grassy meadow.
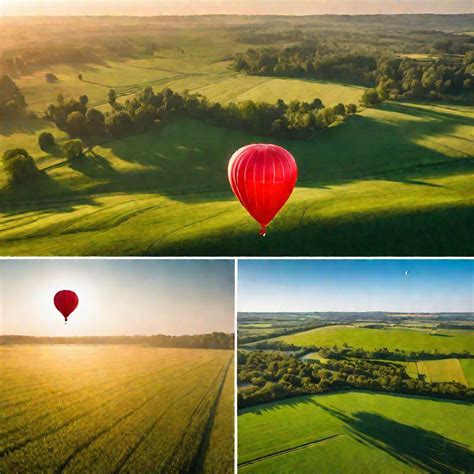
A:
(393, 180)
(401, 338)
(384, 433)
(84, 408)
(166, 192)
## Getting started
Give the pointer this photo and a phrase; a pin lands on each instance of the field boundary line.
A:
(289, 450)
(197, 464)
(202, 400)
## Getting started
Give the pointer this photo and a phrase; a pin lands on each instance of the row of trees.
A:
(246, 339)
(398, 78)
(308, 60)
(215, 340)
(345, 351)
(269, 376)
(296, 119)
(391, 77)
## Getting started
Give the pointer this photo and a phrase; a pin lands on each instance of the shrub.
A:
(51, 78)
(351, 108)
(118, 124)
(73, 149)
(19, 165)
(45, 140)
(76, 124)
(339, 109)
(370, 97)
(95, 122)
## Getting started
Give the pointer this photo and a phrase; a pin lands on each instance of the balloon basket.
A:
(263, 231)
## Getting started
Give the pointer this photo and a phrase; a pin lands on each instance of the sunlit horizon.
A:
(231, 7)
(117, 298)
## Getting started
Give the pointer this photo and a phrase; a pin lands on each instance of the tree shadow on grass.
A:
(16, 199)
(93, 165)
(22, 125)
(411, 445)
(425, 232)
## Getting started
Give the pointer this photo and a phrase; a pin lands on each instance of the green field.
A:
(357, 432)
(165, 192)
(468, 368)
(445, 370)
(394, 180)
(444, 341)
(115, 409)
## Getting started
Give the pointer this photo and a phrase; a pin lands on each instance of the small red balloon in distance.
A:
(66, 302)
(262, 176)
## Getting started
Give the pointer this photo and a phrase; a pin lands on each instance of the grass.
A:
(222, 433)
(445, 370)
(468, 368)
(113, 408)
(391, 338)
(384, 433)
(401, 170)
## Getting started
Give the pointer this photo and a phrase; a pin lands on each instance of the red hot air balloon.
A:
(66, 302)
(262, 176)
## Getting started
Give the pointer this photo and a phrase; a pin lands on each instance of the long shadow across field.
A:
(421, 233)
(195, 155)
(412, 445)
(185, 156)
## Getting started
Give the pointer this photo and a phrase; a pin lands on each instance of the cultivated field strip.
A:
(152, 402)
(43, 417)
(221, 432)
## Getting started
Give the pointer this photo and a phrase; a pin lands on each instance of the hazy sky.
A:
(356, 285)
(247, 7)
(117, 297)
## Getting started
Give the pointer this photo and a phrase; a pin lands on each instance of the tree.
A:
(76, 124)
(95, 122)
(12, 101)
(339, 109)
(83, 99)
(370, 97)
(112, 96)
(51, 78)
(45, 140)
(73, 149)
(119, 123)
(19, 165)
(351, 108)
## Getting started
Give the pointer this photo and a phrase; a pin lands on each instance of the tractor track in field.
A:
(198, 463)
(457, 162)
(150, 246)
(181, 444)
(25, 389)
(109, 428)
(122, 462)
(6, 451)
(67, 390)
(85, 398)
(289, 450)
(142, 438)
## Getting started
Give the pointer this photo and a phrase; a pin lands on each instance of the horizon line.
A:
(356, 311)
(233, 14)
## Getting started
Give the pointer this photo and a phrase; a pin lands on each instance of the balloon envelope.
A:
(262, 177)
(66, 302)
